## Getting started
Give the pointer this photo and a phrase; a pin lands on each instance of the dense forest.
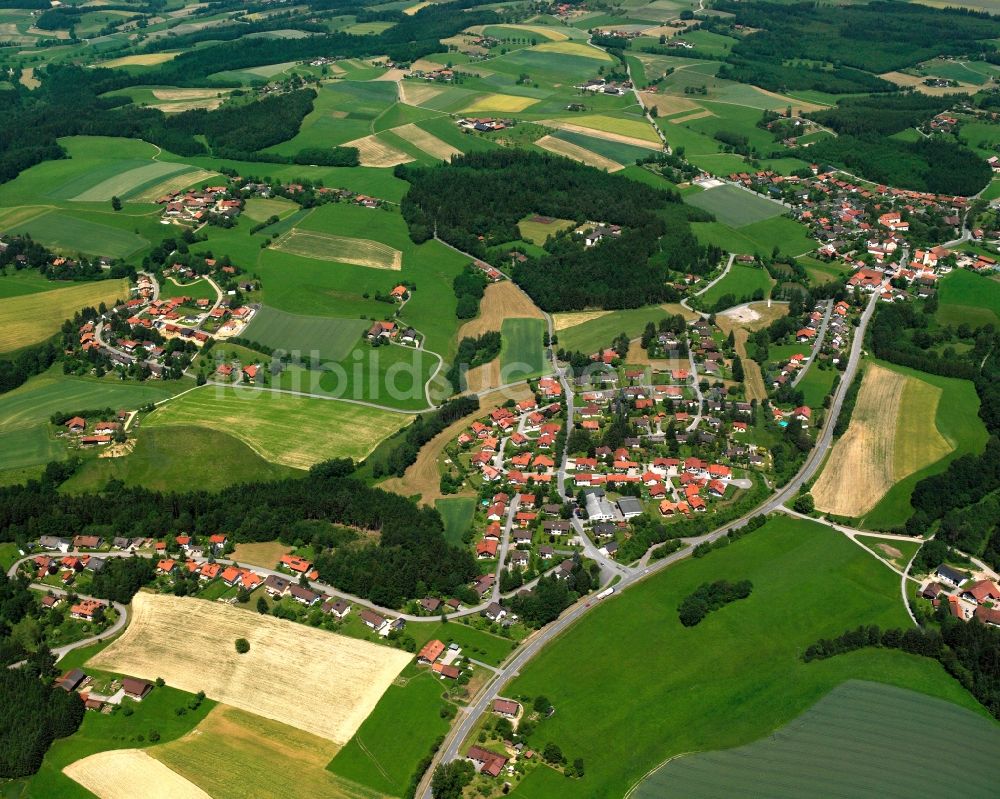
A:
(883, 115)
(477, 200)
(407, 550)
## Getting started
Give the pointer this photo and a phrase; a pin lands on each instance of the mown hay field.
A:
(861, 739)
(632, 131)
(427, 142)
(259, 209)
(372, 151)
(128, 773)
(891, 435)
(328, 247)
(31, 318)
(267, 759)
(283, 428)
(122, 184)
(319, 682)
(577, 153)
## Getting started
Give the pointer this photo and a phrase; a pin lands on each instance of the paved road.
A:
(467, 720)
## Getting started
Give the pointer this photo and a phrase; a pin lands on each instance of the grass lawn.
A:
(197, 290)
(9, 553)
(399, 732)
(99, 733)
(730, 680)
(456, 513)
(957, 420)
(522, 353)
(735, 207)
(741, 282)
(815, 385)
(326, 337)
(282, 428)
(863, 738)
(968, 298)
(33, 317)
(174, 459)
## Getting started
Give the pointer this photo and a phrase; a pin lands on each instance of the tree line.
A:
(711, 596)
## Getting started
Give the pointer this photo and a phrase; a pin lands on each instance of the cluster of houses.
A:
(388, 331)
(484, 124)
(78, 681)
(965, 597)
(100, 433)
(833, 348)
(197, 205)
(493, 764)
(602, 86)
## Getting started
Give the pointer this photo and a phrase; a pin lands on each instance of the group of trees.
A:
(472, 352)
(969, 651)
(477, 200)
(469, 286)
(552, 595)
(710, 596)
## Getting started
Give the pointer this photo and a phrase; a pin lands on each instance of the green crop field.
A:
(966, 297)
(783, 232)
(957, 420)
(735, 207)
(283, 428)
(25, 411)
(616, 151)
(25, 281)
(522, 353)
(332, 338)
(99, 733)
(732, 679)
(73, 235)
(385, 751)
(31, 318)
(259, 209)
(741, 282)
(862, 739)
(456, 513)
(175, 458)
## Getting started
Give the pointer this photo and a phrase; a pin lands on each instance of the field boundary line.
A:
(374, 760)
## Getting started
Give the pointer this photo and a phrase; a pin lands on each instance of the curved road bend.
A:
(469, 717)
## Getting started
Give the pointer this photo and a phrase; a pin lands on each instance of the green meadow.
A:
(732, 679)
(968, 298)
(456, 513)
(740, 282)
(521, 352)
(734, 206)
(332, 338)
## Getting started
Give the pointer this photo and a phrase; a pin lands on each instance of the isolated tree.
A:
(553, 754)
(242, 645)
(804, 503)
(116, 204)
(542, 704)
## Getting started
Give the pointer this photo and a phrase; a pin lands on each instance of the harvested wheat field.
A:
(577, 153)
(289, 672)
(917, 82)
(265, 554)
(128, 773)
(501, 301)
(172, 184)
(892, 434)
(667, 104)
(483, 377)
(372, 151)
(411, 10)
(392, 75)
(327, 247)
(28, 78)
(187, 94)
(271, 759)
(415, 93)
(423, 140)
(424, 476)
(561, 321)
(637, 356)
(753, 378)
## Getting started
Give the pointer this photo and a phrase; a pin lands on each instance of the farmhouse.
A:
(431, 651)
(486, 762)
(136, 689)
(506, 707)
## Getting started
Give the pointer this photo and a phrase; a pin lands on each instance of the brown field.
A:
(128, 773)
(859, 471)
(209, 104)
(424, 476)
(430, 144)
(28, 78)
(691, 117)
(290, 671)
(264, 554)
(327, 247)
(577, 153)
(483, 377)
(600, 134)
(667, 104)
(753, 378)
(415, 8)
(271, 759)
(501, 301)
(392, 75)
(414, 92)
(561, 321)
(372, 151)
(915, 82)
(147, 60)
(187, 94)
(426, 65)
(171, 184)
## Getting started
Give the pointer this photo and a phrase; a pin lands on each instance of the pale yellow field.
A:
(34, 317)
(187, 94)
(147, 60)
(501, 301)
(172, 184)
(892, 434)
(320, 682)
(500, 103)
(414, 92)
(28, 78)
(209, 104)
(550, 33)
(626, 131)
(427, 142)
(284, 428)
(574, 48)
(128, 773)
(667, 104)
(691, 117)
(562, 321)
(577, 153)
(415, 8)
(372, 151)
(915, 82)
(327, 247)
(266, 553)
(270, 759)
